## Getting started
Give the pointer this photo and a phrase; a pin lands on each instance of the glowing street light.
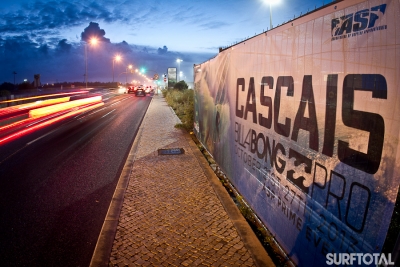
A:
(179, 63)
(92, 41)
(271, 2)
(116, 58)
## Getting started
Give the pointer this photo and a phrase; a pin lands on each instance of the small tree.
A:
(7, 86)
(4, 93)
(25, 86)
(182, 85)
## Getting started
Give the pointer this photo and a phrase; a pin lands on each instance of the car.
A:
(148, 89)
(131, 89)
(140, 92)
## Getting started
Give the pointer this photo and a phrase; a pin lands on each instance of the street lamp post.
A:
(116, 58)
(14, 76)
(86, 64)
(270, 16)
(271, 2)
(126, 76)
(93, 41)
(179, 64)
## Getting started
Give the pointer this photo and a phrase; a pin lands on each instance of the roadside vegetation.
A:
(181, 100)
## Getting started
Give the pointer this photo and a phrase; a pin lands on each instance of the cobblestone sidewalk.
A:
(171, 215)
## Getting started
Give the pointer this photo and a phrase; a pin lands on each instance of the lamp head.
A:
(93, 41)
(272, 2)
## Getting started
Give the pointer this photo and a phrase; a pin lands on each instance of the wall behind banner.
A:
(304, 120)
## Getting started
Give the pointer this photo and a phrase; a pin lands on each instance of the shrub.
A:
(182, 102)
(5, 93)
(25, 86)
(164, 92)
(182, 85)
(7, 86)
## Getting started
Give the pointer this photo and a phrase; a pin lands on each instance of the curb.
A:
(250, 240)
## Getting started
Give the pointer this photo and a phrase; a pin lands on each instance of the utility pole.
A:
(86, 64)
(14, 76)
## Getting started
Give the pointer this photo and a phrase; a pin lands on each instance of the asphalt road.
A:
(56, 184)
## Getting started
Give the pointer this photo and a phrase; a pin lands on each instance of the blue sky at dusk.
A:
(45, 37)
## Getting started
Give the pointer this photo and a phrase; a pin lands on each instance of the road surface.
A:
(56, 184)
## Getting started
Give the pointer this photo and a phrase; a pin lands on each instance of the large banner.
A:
(304, 120)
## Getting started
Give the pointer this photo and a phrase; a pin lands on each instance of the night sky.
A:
(48, 37)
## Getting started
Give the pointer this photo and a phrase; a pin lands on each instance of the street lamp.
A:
(271, 2)
(179, 63)
(14, 76)
(126, 76)
(92, 41)
(116, 58)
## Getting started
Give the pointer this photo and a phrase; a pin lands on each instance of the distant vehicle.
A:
(140, 92)
(131, 89)
(148, 89)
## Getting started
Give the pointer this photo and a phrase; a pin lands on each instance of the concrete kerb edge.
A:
(250, 240)
(102, 251)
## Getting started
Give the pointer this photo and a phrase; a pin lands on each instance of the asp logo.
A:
(361, 21)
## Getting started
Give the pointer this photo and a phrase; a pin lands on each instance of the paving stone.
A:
(171, 215)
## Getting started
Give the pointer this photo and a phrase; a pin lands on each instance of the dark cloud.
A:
(60, 61)
(63, 46)
(17, 47)
(38, 17)
(123, 47)
(54, 16)
(45, 22)
(44, 49)
(94, 31)
(102, 13)
(163, 50)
